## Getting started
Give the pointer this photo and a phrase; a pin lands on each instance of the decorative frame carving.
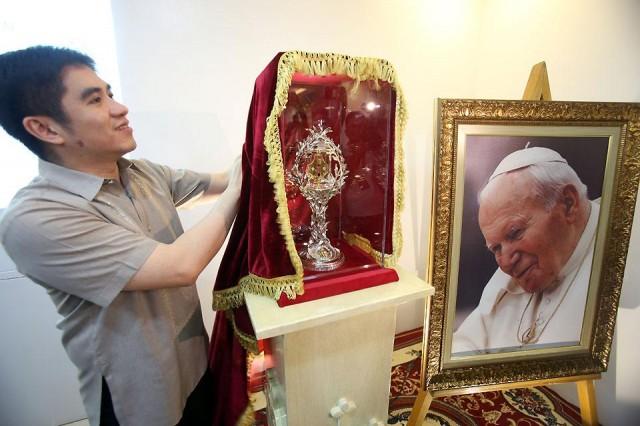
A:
(439, 372)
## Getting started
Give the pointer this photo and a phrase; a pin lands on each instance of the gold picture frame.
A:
(604, 137)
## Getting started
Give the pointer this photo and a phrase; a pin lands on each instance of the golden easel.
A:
(537, 89)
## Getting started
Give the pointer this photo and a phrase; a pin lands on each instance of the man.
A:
(540, 226)
(102, 235)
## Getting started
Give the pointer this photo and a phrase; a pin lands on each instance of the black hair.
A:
(31, 84)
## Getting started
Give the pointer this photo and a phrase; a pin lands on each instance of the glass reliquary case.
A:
(342, 161)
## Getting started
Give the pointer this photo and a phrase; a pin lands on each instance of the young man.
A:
(102, 235)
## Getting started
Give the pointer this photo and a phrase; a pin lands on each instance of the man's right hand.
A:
(235, 175)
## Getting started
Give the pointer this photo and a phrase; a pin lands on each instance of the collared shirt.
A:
(506, 311)
(83, 238)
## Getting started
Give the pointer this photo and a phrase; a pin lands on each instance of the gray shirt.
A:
(83, 238)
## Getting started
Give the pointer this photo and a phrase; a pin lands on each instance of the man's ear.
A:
(44, 128)
(570, 200)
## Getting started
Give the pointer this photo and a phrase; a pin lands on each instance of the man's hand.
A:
(221, 181)
(235, 175)
(181, 262)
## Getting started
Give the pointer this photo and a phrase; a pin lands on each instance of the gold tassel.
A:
(248, 417)
(249, 343)
(273, 288)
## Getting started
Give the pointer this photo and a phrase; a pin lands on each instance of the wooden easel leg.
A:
(538, 85)
(420, 408)
(587, 397)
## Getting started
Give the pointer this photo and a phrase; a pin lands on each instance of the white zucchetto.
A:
(526, 157)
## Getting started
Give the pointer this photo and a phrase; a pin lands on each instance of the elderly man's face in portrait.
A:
(530, 242)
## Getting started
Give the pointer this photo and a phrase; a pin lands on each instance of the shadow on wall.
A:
(418, 177)
(608, 392)
(630, 297)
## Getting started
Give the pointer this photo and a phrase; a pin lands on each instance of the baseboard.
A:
(407, 338)
(10, 275)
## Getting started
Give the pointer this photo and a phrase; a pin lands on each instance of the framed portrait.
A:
(532, 210)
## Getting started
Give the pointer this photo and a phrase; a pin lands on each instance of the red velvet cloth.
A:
(254, 245)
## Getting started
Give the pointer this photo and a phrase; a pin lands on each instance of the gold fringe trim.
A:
(398, 176)
(359, 69)
(273, 288)
(248, 342)
(248, 417)
(364, 244)
(226, 299)
(291, 285)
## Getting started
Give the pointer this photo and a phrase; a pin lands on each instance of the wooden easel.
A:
(586, 396)
(537, 89)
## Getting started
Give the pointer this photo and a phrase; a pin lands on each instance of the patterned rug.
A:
(534, 406)
(517, 407)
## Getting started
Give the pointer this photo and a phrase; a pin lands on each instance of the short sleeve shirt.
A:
(83, 238)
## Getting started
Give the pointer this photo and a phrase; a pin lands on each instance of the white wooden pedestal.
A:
(332, 348)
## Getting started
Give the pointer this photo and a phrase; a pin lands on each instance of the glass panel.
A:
(333, 125)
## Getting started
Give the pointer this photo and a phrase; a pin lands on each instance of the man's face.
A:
(98, 125)
(529, 243)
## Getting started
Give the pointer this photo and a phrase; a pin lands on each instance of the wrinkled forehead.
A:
(507, 193)
(515, 185)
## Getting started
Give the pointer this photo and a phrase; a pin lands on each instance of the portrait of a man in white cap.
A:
(539, 225)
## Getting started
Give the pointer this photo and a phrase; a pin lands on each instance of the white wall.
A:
(39, 383)
(188, 70)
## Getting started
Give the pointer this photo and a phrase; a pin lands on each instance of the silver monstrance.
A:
(319, 171)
